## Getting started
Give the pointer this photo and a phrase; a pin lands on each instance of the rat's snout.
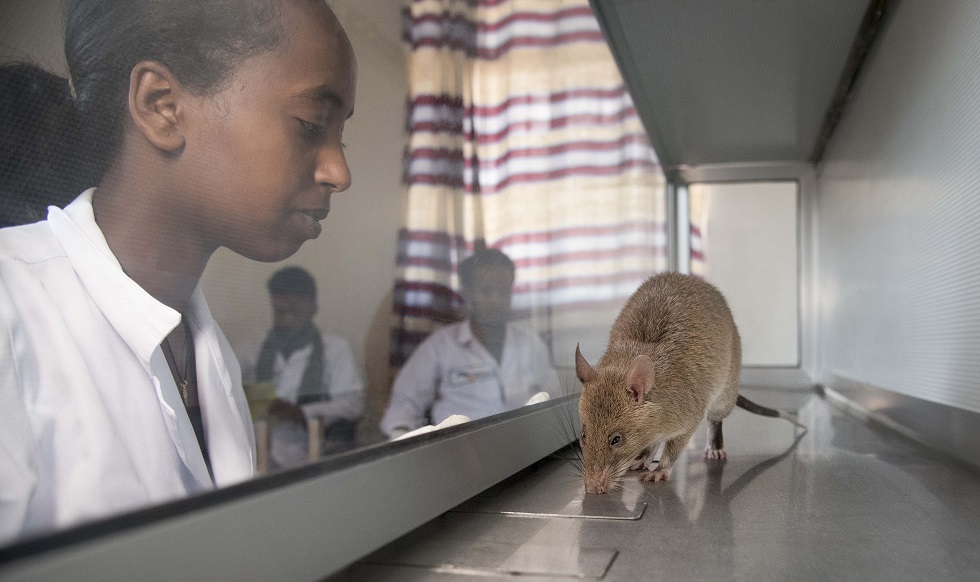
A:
(596, 488)
(598, 482)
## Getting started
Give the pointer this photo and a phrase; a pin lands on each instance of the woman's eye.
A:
(615, 440)
(312, 130)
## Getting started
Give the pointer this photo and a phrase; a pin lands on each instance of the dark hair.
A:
(200, 41)
(292, 281)
(481, 258)
(41, 161)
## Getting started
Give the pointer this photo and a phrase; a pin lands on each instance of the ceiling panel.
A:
(725, 81)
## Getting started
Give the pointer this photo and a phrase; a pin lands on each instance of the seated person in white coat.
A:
(117, 388)
(314, 373)
(483, 365)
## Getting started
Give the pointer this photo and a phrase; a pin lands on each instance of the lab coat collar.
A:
(143, 322)
(140, 319)
(464, 335)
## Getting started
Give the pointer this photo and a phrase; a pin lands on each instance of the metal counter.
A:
(846, 500)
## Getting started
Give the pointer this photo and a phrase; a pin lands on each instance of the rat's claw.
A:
(658, 475)
(643, 460)
(719, 454)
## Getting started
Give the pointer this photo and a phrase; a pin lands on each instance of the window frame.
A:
(801, 375)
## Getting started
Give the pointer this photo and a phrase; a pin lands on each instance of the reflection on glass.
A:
(194, 170)
(483, 365)
(299, 374)
(117, 387)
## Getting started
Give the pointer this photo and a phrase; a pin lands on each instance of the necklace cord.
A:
(182, 378)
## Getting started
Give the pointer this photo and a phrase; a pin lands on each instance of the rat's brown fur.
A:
(684, 327)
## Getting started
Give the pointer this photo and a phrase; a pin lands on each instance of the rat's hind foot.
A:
(716, 442)
(713, 453)
(661, 474)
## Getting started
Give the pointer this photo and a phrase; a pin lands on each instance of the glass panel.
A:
(199, 189)
(744, 241)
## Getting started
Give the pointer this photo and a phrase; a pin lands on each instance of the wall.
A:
(354, 258)
(749, 238)
(899, 215)
(33, 31)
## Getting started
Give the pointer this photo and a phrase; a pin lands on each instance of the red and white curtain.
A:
(523, 136)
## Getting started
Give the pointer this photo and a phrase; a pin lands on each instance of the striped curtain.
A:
(523, 137)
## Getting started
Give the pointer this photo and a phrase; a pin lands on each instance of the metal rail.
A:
(307, 523)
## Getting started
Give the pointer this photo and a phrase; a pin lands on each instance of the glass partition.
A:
(560, 180)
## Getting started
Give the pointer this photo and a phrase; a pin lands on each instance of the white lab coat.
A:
(91, 422)
(342, 384)
(452, 373)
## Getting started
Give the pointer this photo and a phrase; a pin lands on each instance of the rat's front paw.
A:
(711, 453)
(658, 475)
(642, 461)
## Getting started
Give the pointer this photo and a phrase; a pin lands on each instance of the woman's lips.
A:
(310, 221)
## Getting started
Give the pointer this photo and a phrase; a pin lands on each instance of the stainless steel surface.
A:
(947, 428)
(498, 557)
(307, 528)
(844, 501)
(733, 81)
(549, 491)
(899, 215)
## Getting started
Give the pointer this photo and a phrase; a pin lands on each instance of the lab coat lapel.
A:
(179, 425)
(227, 423)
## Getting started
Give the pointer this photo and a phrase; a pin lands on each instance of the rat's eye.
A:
(583, 434)
(615, 440)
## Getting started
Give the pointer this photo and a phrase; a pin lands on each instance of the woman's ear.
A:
(155, 104)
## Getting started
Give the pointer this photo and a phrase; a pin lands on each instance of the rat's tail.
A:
(743, 402)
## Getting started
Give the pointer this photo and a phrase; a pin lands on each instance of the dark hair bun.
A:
(41, 160)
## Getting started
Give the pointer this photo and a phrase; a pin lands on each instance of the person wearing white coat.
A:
(101, 311)
(481, 366)
(91, 421)
(313, 373)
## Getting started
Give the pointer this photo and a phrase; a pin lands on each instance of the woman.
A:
(220, 125)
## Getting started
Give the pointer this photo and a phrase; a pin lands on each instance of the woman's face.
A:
(264, 154)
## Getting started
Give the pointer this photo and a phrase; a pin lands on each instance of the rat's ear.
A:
(155, 105)
(583, 370)
(639, 377)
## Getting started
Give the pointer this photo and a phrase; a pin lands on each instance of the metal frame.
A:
(307, 523)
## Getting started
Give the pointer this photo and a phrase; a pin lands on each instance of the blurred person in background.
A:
(483, 365)
(313, 373)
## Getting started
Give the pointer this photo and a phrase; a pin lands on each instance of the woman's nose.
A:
(332, 169)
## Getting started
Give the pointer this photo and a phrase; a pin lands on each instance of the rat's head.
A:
(618, 422)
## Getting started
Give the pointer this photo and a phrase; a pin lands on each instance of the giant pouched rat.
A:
(674, 358)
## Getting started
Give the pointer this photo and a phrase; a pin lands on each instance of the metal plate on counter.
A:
(488, 558)
(554, 489)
